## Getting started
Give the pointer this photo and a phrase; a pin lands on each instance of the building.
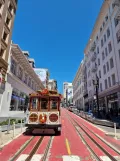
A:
(103, 57)
(102, 60)
(67, 93)
(21, 81)
(7, 14)
(43, 74)
(52, 84)
(79, 87)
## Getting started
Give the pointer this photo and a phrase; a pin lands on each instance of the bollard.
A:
(0, 135)
(115, 130)
(21, 125)
(8, 127)
(13, 129)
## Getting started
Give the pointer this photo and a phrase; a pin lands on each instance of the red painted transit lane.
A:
(58, 148)
(9, 150)
(94, 129)
(68, 144)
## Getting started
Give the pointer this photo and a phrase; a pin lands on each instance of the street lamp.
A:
(96, 85)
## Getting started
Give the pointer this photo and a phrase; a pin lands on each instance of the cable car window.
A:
(34, 103)
(54, 104)
(44, 103)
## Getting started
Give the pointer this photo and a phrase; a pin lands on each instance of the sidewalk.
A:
(5, 137)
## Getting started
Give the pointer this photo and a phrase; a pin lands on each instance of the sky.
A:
(55, 32)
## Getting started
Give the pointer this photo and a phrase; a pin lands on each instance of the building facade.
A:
(21, 81)
(7, 14)
(52, 84)
(102, 59)
(67, 93)
(43, 75)
(78, 87)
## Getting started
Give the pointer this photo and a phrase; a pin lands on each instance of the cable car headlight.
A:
(43, 118)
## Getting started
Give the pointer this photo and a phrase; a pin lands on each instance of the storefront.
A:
(113, 106)
(18, 100)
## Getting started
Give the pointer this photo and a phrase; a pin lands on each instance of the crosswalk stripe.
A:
(36, 157)
(22, 157)
(70, 158)
(105, 158)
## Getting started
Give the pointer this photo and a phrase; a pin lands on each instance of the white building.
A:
(43, 75)
(78, 87)
(102, 58)
(67, 92)
(52, 84)
(21, 81)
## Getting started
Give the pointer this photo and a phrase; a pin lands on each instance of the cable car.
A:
(44, 111)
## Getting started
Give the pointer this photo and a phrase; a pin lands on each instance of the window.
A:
(107, 66)
(104, 69)
(113, 5)
(20, 73)
(111, 63)
(13, 66)
(113, 80)
(97, 38)
(10, 7)
(5, 36)
(108, 33)
(29, 83)
(54, 104)
(0, 5)
(7, 21)
(109, 47)
(103, 55)
(99, 74)
(109, 81)
(116, 21)
(106, 18)
(98, 61)
(98, 50)
(118, 36)
(44, 103)
(34, 103)
(101, 29)
(102, 43)
(25, 78)
(2, 52)
(106, 85)
(103, 24)
(100, 86)
(106, 52)
(104, 38)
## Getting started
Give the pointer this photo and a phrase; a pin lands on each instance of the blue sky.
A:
(55, 33)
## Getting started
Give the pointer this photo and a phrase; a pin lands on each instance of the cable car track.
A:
(34, 149)
(107, 153)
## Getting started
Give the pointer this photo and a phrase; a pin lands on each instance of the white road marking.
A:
(37, 157)
(105, 158)
(22, 157)
(70, 158)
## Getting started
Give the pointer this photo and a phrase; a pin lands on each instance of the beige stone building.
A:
(7, 14)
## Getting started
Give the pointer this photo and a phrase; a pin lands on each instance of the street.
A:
(79, 140)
